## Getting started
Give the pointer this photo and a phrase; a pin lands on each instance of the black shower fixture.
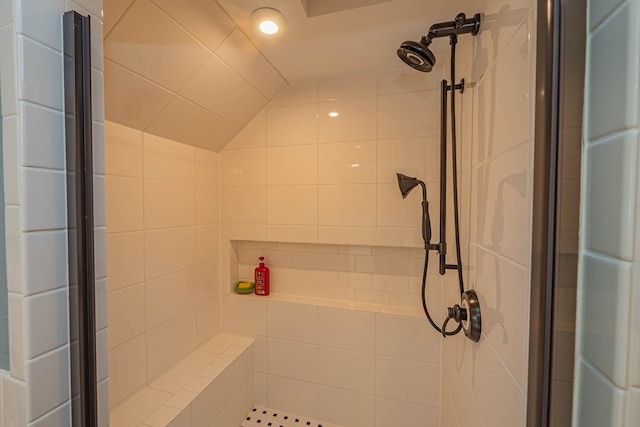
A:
(418, 55)
(406, 184)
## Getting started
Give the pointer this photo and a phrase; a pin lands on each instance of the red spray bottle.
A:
(262, 279)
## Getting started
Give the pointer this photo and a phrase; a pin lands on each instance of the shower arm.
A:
(460, 25)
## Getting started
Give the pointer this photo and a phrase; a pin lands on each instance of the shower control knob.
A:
(471, 325)
(467, 314)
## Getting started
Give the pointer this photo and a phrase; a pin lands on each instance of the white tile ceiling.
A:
(195, 71)
(183, 70)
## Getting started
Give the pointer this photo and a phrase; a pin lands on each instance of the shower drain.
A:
(266, 417)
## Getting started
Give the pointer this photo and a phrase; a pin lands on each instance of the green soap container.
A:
(244, 290)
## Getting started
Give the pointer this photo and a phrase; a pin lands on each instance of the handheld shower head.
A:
(417, 54)
(406, 184)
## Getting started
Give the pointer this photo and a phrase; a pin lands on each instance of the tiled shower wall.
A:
(36, 390)
(297, 174)
(350, 367)
(485, 383)
(163, 254)
(317, 195)
(607, 389)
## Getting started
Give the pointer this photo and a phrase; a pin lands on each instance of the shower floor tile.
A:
(266, 417)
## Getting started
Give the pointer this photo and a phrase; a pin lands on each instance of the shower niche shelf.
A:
(368, 278)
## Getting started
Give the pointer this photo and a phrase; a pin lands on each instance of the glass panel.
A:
(572, 60)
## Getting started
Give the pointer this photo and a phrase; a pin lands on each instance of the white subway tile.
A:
(354, 86)
(346, 369)
(168, 204)
(347, 205)
(40, 74)
(244, 314)
(604, 300)
(169, 250)
(346, 329)
(46, 322)
(345, 407)
(499, 398)
(127, 369)
(126, 313)
(169, 296)
(123, 150)
(292, 125)
(169, 342)
(347, 163)
(408, 115)
(612, 109)
(42, 136)
(294, 322)
(505, 92)
(168, 160)
(139, 407)
(44, 201)
(45, 260)
(406, 338)
(391, 413)
(208, 320)
(408, 381)
(293, 360)
(496, 281)
(609, 196)
(291, 395)
(296, 165)
(355, 120)
(125, 256)
(124, 203)
(404, 79)
(292, 205)
(207, 168)
(242, 167)
(243, 205)
(600, 403)
(207, 204)
(48, 377)
(60, 416)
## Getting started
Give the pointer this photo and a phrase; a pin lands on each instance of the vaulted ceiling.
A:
(195, 71)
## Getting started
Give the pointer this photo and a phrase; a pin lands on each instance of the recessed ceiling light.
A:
(269, 21)
(334, 114)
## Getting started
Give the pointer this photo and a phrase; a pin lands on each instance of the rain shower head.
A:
(406, 184)
(418, 55)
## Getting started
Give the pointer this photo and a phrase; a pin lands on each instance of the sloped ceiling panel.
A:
(183, 70)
